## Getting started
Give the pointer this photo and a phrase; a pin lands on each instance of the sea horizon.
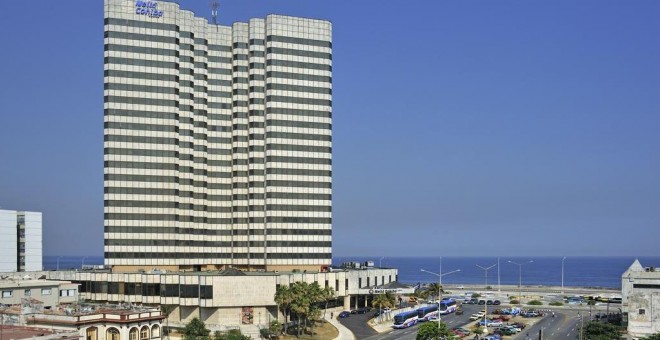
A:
(579, 271)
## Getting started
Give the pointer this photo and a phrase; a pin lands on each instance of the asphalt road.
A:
(563, 326)
(410, 333)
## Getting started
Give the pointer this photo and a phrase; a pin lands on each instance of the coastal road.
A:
(565, 325)
(410, 333)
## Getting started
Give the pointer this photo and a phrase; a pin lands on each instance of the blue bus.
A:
(405, 319)
(427, 313)
(448, 306)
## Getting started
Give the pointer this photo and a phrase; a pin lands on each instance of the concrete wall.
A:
(8, 241)
(33, 241)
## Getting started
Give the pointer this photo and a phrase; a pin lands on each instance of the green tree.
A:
(283, 298)
(233, 334)
(434, 289)
(431, 331)
(595, 330)
(655, 336)
(273, 331)
(381, 301)
(196, 330)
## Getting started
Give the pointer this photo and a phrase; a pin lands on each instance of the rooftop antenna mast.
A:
(214, 13)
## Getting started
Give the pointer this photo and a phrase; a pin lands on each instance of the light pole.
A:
(499, 285)
(520, 278)
(380, 262)
(581, 323)
(83, 262)
(440, 287)
(486, 287)
(562, 274)
(58, 262)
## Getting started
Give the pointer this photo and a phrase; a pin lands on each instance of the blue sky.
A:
(494, 127)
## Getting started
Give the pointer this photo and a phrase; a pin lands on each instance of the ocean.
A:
(578, 271)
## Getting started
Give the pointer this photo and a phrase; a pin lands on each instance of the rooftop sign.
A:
(148, 8)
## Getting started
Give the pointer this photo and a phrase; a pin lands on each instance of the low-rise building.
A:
(225, 299)
(14, 290)
(640, 290)
(102, 323)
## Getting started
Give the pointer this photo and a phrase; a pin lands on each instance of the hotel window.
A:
(642, 312)
(28, 292)
(7, 293)
(46, 291)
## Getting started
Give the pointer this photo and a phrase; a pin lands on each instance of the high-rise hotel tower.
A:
(217, 140)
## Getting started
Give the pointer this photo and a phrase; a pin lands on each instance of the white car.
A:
(476, 316)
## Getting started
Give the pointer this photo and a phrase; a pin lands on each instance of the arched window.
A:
(155, 331)
(91, 333)
(144, 333)
(133, 334)
(112, 334)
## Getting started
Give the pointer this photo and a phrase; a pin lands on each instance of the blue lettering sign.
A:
(148, 8)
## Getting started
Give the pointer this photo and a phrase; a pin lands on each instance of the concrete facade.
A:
(48, 293)
(20, 241)
(218, 140)
(640, 290)
(219, 299)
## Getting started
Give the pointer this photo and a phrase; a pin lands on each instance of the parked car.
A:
(474, 317)
(489, 302)
(493, 337)
(362, 311)
(519, 325)
(497, 302)
(473, 301)
(459, 311)
(344, 314)
(462, 330)
(482, 302)
(354, 311)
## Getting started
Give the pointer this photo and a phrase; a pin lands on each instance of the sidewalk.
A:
(344, 333)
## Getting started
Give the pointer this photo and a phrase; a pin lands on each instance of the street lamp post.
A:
(562, 274)
(380, 262)
(440, 275)
(82, 265)
(486, 287)
(58, 262)
(520, 278)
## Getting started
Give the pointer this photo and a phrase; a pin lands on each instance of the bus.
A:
(427, 313)
(405, 319)
(447, 306)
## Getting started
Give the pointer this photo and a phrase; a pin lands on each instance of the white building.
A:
(20, 241)
(218, 140)
(229, 298)
(640, 289)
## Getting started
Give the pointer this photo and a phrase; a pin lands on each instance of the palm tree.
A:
(284, 298)
(434, 289)
(326, 295)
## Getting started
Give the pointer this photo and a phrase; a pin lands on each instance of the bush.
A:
(476, 295)
(514, 302)
(556, 303)
(535, 303)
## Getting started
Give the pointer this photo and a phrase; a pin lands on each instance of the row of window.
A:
(179, 255)
(227, 244)
(147, 289)
(194, 207)
(207, 220)
(216, 232)
(298, 64)
(300, 53)
(182, 193)
(7, 293)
